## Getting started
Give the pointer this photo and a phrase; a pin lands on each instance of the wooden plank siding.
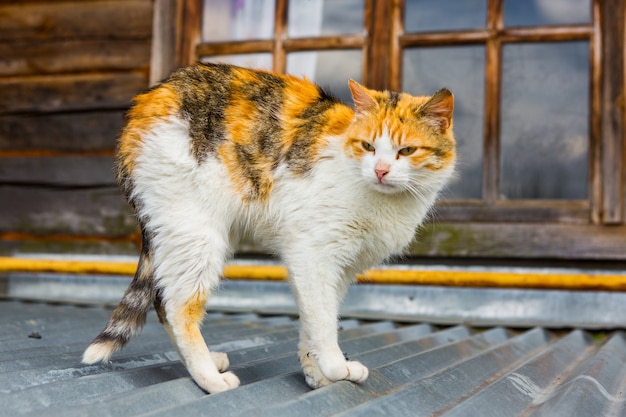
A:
(59, 20)
(68, 71)
(69, 68)
(65, 132)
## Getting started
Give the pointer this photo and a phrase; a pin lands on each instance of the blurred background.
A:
(539, 88)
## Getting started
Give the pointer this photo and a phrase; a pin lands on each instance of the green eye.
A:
(368, 146)
(407, 151)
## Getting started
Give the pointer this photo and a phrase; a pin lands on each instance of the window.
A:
(525, 78)
(537, 83)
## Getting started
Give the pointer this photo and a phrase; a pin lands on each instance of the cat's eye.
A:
(368, 146)
(407, 151)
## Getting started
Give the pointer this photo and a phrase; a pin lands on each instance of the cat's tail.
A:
(129, 317)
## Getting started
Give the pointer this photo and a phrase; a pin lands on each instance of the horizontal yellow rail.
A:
(460, 278)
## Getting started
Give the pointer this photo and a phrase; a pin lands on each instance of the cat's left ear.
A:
(439, 108)
(363, 101)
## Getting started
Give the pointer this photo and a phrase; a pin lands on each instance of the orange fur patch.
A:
(148, 109)
(192, 314)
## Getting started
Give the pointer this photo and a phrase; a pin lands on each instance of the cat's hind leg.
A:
(185, 319)
(219, 358)
(189, 262)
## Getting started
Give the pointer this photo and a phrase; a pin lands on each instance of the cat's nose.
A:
(381, 169)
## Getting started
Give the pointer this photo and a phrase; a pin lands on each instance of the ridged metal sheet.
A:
(440, 305)
(416, 369)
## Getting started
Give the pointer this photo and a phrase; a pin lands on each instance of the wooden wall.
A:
(68, 70)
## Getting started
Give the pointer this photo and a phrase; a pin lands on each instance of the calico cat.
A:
(215, 151)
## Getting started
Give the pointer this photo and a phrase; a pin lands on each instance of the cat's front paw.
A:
(344, 371)
(312, 374)
(349, 371)
(223, 382)
(221, 361)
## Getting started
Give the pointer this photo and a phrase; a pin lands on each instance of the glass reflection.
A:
(544, 121)
(230, 20)
(437, 15)
(546, 12)
(461, 69)
(324, 17)
(329, 69)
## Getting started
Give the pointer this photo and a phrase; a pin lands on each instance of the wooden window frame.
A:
(508, 227)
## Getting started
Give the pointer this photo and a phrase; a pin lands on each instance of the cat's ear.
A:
(438, 109)
(363, 101)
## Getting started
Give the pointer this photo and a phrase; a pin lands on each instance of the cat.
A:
(215, 151)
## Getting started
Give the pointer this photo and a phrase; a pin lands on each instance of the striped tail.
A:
(130, 315)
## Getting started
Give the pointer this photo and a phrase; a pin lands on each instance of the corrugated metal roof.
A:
(439, 305)
(416, 369)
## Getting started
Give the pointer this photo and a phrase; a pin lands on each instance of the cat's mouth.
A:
(384, 186)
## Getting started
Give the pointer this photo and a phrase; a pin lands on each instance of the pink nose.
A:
(381, 169)
(380, 173)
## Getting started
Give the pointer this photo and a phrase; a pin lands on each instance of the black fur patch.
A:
(159, 306)
(205, 92)
(267, 95)
(312, 122)
(251, 171)
(394, 98)
(130, 315)
(105, 338)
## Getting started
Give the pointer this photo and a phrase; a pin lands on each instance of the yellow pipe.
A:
(499, 279)
(256, 272)
(8, 264)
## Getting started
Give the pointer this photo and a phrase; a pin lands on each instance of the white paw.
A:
(348, 371)
(357, 372)
(221, 361)
(223, 382)
(312, 374)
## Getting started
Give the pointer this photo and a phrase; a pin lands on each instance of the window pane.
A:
(546, 12)
(325, 17)
(437, 15)
(229, 20)
(545, 120)
(258, 61)
(461, 69)
(329, 69)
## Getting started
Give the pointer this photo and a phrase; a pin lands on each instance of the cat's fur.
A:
(215, 151)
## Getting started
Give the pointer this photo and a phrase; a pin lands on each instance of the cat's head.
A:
(401, 142)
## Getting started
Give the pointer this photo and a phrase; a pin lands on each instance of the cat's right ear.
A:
(438, 110)
(363, 101)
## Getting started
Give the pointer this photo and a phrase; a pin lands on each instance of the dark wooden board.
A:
(521, 240)
(612, 114)
(533, 211)
(86, 131)
(18, 245)
(38, 58)
(98, 211)
(70, 92)
(61, 171)
(121, 19)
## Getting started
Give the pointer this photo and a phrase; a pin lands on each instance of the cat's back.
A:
(251, 121)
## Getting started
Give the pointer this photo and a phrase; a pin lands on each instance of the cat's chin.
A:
(386, 188)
